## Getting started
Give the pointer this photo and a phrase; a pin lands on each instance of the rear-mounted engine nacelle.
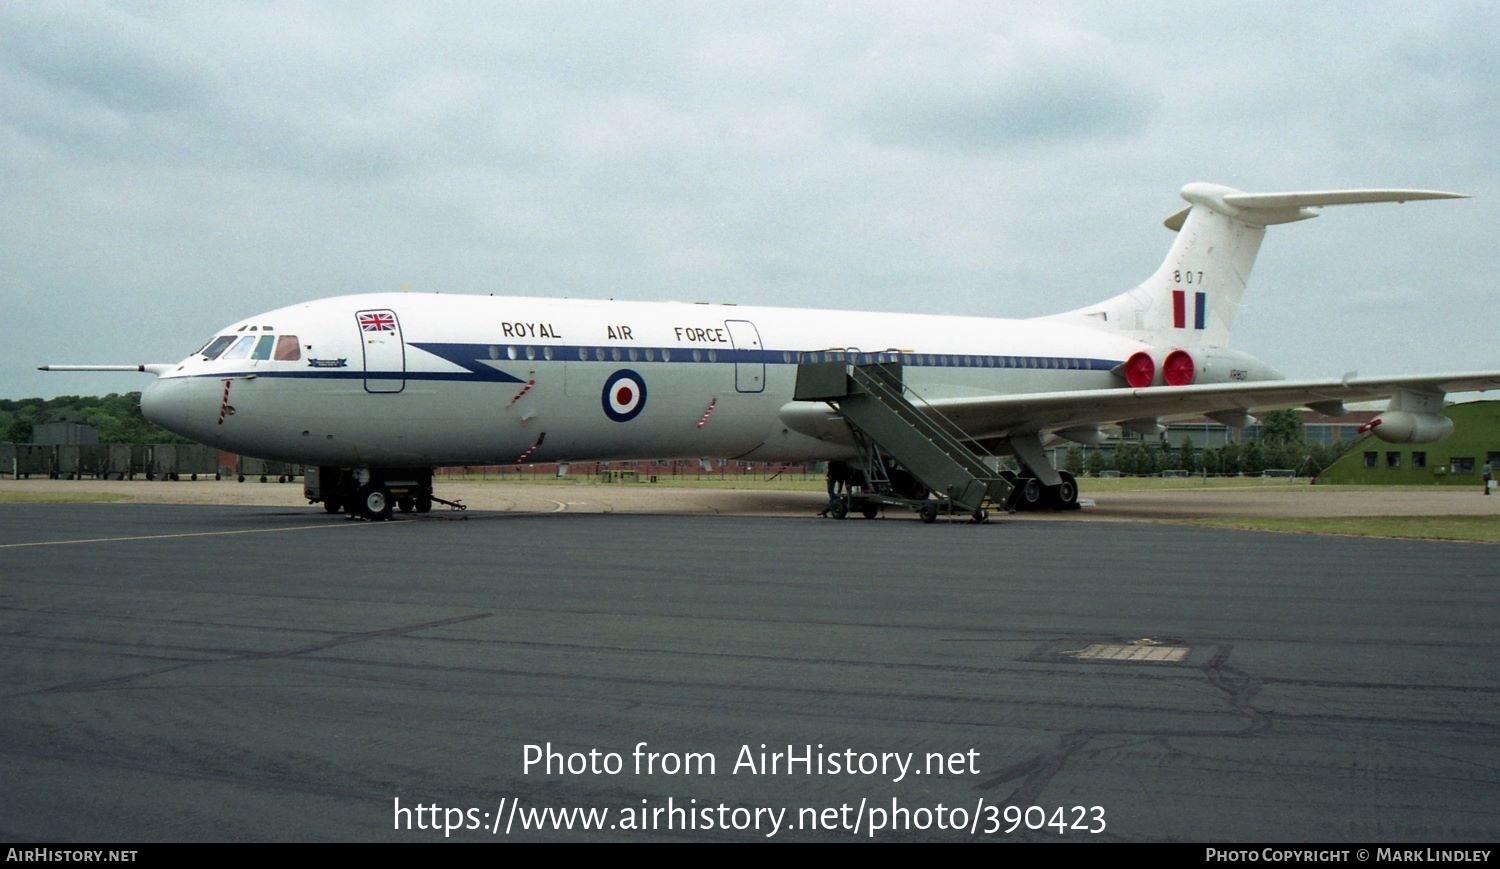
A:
(1179, 368)
(1140, 369)
(1222, 365)
(1406, 427)
(1200, 365)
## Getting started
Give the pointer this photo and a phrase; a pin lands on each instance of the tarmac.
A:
(234, 672)
(1187, 499)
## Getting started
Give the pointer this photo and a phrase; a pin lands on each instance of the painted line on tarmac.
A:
(561, 507)
(185, 534)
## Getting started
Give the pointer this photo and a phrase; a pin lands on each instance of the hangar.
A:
(1455, 461)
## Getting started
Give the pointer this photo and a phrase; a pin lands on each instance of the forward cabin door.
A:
(385, 353)
(749, 356)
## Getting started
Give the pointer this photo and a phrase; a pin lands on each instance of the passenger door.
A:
(384, 351)
(749, 356)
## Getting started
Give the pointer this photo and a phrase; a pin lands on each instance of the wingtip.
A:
(1436, 194)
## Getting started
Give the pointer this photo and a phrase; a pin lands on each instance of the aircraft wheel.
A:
(981, 516)
(1064, 496)
(424, 504)
(375, 503)
(870, 511)
(839, 509)
(1028, 494)
(928, 513)
(406, 505)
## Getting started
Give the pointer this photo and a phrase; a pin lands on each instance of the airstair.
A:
(870, 395)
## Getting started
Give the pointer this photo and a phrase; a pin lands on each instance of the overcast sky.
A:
(168, 168)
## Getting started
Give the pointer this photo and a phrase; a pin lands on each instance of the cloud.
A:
(1027, 86)
(105, 58)
(192, 163)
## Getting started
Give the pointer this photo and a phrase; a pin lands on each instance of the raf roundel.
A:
(624, 395)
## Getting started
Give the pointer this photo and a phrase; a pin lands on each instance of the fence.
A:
(131, 461)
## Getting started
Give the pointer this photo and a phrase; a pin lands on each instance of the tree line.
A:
(117, 416)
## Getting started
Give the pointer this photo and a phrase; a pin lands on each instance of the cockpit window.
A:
(242, 347)
(216, 346)
(281, 348)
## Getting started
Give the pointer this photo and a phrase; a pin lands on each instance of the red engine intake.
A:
(1179, 369)
(1140, 369)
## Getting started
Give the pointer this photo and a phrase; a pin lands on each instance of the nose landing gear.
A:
(373, 493)
(374, 502)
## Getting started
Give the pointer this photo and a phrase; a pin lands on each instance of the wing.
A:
(1031, 413)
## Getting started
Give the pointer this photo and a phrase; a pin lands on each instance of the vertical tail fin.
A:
(1192, 298)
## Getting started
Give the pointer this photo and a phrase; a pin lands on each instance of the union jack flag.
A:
(377, 322)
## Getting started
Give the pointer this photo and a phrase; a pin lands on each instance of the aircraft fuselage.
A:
(424, 380)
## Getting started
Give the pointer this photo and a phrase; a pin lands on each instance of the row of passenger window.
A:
(665, 354)
(608, 354)
(285, 348)
(279, 348)
(944, 360)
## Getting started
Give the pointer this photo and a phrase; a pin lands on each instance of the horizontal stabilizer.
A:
(1319, 198)
(1265, 209)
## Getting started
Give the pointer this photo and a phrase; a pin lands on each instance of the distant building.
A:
(1208, 434)
(1454, 462)
(64, 433)
(1316, 429)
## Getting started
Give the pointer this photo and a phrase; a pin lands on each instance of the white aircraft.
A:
(378, 389)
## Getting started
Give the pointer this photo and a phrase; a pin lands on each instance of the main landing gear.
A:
(373, 493)
(1030, 493)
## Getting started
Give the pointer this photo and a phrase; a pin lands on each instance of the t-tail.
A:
(1191, 300)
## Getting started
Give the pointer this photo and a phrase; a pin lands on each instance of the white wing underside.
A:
(1031, 413)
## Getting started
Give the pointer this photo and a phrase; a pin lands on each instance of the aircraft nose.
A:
(165, 402)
